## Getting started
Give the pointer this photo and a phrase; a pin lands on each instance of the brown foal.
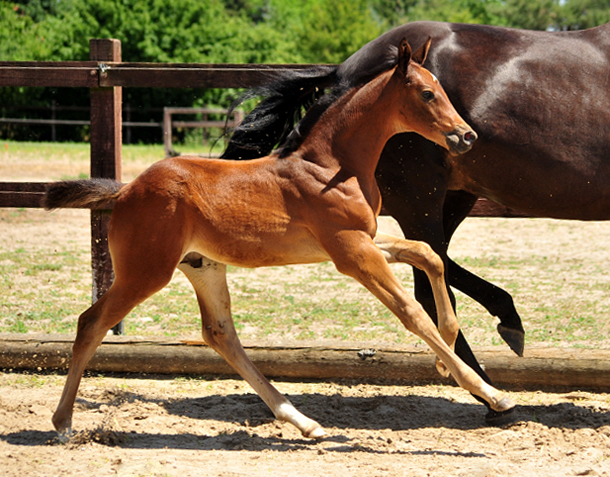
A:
(314, 201)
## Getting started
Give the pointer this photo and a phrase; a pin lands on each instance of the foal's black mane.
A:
(278, 119)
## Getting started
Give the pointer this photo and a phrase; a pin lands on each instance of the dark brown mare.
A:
(540, 103)
(315, 200)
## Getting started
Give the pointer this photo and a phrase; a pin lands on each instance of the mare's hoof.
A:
(515, 339)
(500, 418)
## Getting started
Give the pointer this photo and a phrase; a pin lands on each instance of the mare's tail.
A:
(268, 125)
(82, 194)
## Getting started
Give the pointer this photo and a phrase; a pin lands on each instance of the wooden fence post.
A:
(106, 142)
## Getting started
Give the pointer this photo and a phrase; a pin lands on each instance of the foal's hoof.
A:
(495, 418)
(315, 433)
(64, 436)
(64, 430)
(442, 369)
(505, 403)
(502, 412)
(515, 339)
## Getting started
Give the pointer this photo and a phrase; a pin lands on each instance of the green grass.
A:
(563, 302)
(52, 299)
(61, 161)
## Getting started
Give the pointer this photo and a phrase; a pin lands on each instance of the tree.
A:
(201, 31)
(459, 11)
(21, 38)
(581, 14)
(235, 31)
(331, 30)
(541, 15)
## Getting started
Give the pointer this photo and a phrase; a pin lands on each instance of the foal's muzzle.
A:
(460, 141)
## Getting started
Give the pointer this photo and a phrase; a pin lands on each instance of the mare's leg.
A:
(421, 255)
(355, 254)
(496, 301)
(209, 280)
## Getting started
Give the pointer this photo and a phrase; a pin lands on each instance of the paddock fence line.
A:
(169, 123)
(105, 75)
(165, 125)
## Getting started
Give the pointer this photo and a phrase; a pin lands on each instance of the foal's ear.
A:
(422, 52)
(404, 55)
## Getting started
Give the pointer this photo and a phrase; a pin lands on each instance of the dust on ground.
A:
(160, 426)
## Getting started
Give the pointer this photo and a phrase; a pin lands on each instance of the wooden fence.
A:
(169, 123)
(105, 75)
(164, 126)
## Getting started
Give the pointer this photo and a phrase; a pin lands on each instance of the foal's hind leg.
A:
(93, 325)
(420, 255)
(209, 280)
(143, 264)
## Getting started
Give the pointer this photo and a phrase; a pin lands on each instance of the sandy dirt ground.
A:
(154, 426)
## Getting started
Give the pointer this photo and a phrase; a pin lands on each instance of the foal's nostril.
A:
(470, 137)
(460, 141)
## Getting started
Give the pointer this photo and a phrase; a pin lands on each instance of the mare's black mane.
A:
(278, 119)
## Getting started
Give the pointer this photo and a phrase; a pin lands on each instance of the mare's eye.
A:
(427, 95)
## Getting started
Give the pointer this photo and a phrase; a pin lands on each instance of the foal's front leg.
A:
(420, 255)
(355, 254)
(209, 280)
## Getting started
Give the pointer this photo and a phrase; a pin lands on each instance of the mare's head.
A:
(423, 104)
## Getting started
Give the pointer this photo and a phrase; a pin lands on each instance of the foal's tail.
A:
(270, 122)
(82, 194)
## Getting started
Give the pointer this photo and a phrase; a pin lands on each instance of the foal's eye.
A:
(427, 95)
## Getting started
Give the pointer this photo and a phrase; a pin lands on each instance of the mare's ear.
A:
(404, 55)
(422, 52)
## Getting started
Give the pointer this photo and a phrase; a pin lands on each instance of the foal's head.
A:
(423, 104)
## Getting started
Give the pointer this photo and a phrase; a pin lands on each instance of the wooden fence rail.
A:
(165, 126)
(105, 75)
(169, 123)
(53, 109)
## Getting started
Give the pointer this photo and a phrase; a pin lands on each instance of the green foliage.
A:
(21, 38)
(331, 31)
(392, 12)
(228, 31)
(581, 14)
(459, 11)
(540, 15)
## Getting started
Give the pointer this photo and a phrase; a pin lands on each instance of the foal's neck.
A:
(352, 133)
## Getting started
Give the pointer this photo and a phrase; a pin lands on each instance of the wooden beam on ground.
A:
(542, 368)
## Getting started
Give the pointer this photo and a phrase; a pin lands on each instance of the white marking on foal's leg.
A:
(209, 280)
(308, 427)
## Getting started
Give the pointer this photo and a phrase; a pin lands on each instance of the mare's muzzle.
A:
(460, 141)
